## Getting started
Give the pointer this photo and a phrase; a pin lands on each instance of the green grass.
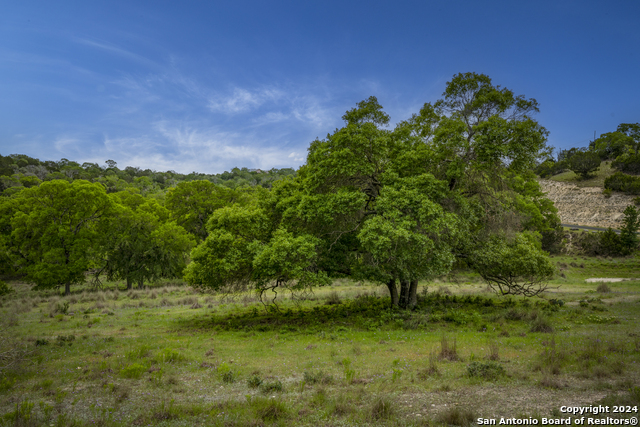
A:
(338, 357)
(596, 180)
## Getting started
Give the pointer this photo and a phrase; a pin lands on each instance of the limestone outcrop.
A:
(587, 205)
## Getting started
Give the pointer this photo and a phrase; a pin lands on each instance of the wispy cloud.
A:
(116, 50)
(243, 100)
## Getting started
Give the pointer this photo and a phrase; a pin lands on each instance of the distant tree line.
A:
(21, 171)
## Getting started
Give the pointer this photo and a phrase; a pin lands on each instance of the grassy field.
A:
(596, 180)
(338, 357)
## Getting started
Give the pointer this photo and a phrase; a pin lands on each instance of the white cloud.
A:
(243, 100)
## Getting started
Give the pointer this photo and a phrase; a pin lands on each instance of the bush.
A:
(541, 324)
(623, 183)
(5, 288)
(584, 163)
(550, 168)
(611, 243)
(628, 163)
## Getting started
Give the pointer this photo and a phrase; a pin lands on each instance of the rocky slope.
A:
(586, 206)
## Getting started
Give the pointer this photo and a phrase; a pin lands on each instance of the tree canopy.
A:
(396, 206)
(55, 229)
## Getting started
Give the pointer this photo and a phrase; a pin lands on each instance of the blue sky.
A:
(208, 86)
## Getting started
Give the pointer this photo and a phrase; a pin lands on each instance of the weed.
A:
(603, 288)
(168, 355)
(448, 351)
(133, 371)
(382, 408)
(271, 386)
(342, 406)
(349, 374)
(318, 377)
(488, 370)
(541, 324)
(138, 353)
(552, 358)
(456, 416)
(269, 409)
(22, 415)
(229, 377)
(255, 381)
(431, 370)
(62, 340)
(493, 351)
(333, 299)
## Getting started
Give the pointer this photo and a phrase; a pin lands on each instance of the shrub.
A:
(5, 288)
(603, 288)
(628, 163)
(611, 243)
(550, 168)
(488, 370)
(584, 163)
(541, 324)
(623, 183)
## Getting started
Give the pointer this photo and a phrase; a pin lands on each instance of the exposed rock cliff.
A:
(586, 206)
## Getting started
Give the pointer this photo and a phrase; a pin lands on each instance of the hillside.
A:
(586, 205)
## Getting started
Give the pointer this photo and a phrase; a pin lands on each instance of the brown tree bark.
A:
(413, 294)
(393, 290)
(129, 285)
(67, 288)
(404, 294)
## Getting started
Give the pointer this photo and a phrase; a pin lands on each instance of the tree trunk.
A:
(404, 294)
(393, 290)
(129, 286)
(140, 283)
(67, 288)
(413, 291)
